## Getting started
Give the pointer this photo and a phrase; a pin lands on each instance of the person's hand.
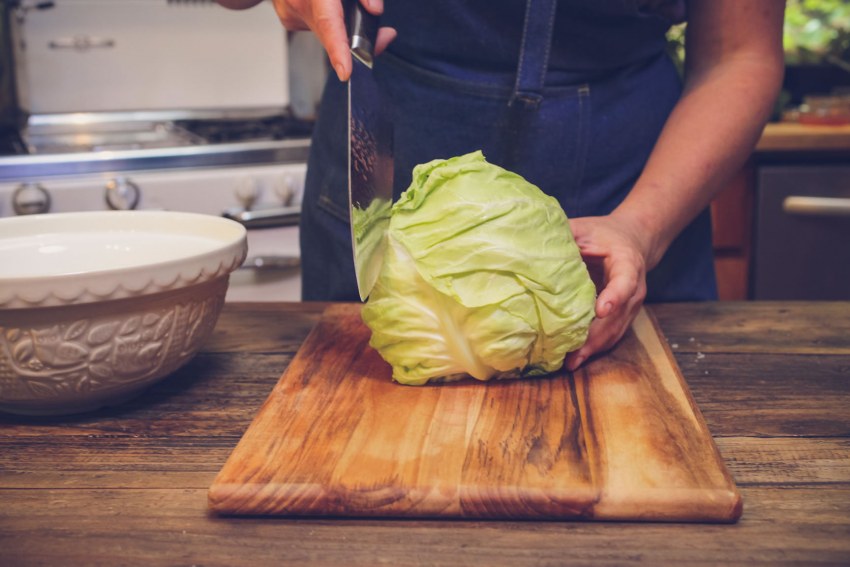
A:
(326, 19)
(616, 256)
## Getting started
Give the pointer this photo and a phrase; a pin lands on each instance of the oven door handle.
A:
(265, 218)
(269, 263)
(816, 206)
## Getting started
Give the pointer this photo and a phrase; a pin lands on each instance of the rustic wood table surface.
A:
(128, 485)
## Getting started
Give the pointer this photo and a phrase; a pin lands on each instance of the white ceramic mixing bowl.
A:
(96, 306)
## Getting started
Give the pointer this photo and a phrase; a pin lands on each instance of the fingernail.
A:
(339, 71)
(576, 363)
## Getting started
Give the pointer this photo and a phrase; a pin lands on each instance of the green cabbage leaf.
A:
(481, 277)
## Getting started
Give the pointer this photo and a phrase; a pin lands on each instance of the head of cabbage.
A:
(481, 277)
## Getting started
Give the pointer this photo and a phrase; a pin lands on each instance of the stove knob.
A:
(30, 199)
(122, 194)
(247, 193)
(285, 189)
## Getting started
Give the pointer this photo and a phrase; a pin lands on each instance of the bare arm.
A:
(733, 73)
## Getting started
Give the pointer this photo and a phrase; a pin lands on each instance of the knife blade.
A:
(370, 153)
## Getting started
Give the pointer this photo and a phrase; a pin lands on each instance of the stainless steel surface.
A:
(802, 239)
(85, 120)
(30, 199)
(262, 218)
(816, 206)
(107, 137)
(266, 263)
(362, 49)
(81, 143)
(19, 168)
(122, 194)
(370, 156)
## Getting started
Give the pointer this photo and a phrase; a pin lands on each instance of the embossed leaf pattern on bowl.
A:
(102, 353)
(96, 306)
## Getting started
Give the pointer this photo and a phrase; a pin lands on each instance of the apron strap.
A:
(534, 53)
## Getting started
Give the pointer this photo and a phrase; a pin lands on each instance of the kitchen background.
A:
(183, 105)
(155, 104)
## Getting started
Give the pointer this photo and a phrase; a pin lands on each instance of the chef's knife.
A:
(370, 153)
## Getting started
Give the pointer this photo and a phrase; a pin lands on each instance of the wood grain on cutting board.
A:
(619, 439)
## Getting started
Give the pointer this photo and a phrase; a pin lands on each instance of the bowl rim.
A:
(129, 281)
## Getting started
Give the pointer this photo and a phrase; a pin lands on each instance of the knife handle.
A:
(362, 29)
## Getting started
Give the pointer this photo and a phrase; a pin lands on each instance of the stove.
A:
(188, 117)
(89, 132)
(244, 166)
(229, 130)
(78, 143)
(248, 166)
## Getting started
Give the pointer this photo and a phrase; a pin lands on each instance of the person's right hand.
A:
(326, 19)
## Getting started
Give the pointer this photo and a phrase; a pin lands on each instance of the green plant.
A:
(817, 32)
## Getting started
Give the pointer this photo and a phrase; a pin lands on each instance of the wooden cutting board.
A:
(619, 439)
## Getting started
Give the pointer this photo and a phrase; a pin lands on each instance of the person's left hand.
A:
(616, 257)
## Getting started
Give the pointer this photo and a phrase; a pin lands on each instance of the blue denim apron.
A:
(581, 137)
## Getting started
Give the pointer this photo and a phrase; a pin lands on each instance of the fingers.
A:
(625, 283)
(328, 23)
(385, 37)
(619, 271)
(593, 344)
(604, 333)
(616, 307)
(327, 20)
(373, 6)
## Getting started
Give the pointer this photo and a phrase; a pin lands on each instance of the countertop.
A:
(782, 137)
(128, 485)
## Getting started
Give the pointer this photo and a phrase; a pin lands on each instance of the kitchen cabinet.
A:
(802, 232)
(731, 219)
(735, 210)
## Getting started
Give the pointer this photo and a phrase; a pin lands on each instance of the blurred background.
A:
(183, 105)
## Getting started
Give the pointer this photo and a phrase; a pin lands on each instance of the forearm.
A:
(711, 132)
(706, 140)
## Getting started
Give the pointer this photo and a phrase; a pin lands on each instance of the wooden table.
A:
(128, 485)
